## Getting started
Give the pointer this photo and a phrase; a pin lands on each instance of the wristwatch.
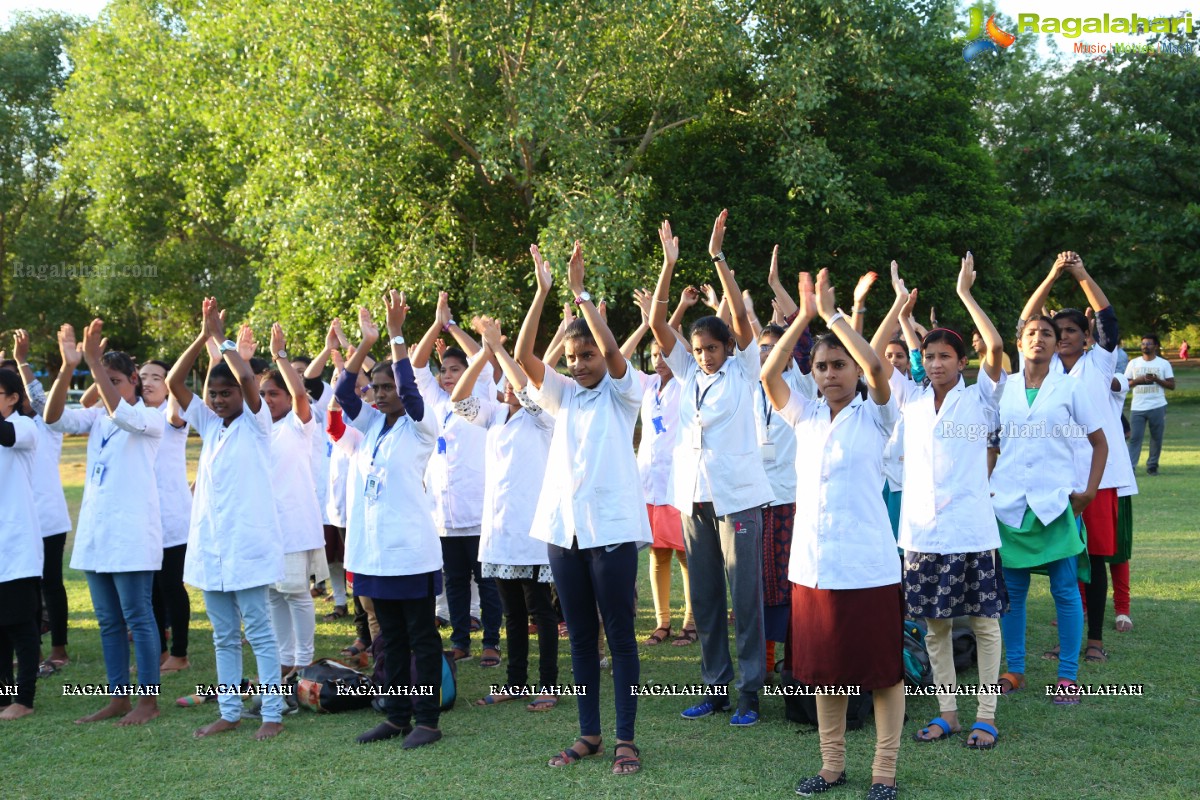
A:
(227, 345)
(583, 297)
(449, 322)
(719, 257)
(282, 354)
(397, 340)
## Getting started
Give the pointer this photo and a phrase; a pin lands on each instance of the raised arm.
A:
(441, 318)
(876, 370)
(490, 331)
(860, 300)
(1107, 334)
(93, 354)
(295, 384)
(316, 367)
(687, 298)
(787, 306)
(370, 335)
(777, 389)
(554, 350)
(883, 334)
(177, 378)
(238, 364)
(743, 334)
(466, 382)
(664, 334)
(72, 356)
(912, 339)
(1042, 293)
(534, 367)
(609, 349)
(755, 325)
(643, 300)
(21, 356)
(993, 360)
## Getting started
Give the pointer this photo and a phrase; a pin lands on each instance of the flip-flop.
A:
(1068, 697)
(490, 657)
(947, 731)
(51, 666)
(494, 699)
(973, 742)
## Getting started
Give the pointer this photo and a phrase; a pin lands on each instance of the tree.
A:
(41, 227)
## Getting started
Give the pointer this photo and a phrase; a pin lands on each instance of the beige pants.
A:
(660, 585)
(940, 643)
(373, 624)
(889, 722)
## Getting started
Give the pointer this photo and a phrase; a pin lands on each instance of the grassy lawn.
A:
(1114, 747)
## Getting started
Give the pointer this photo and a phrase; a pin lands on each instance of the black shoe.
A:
(818, 785)
(881, 791)
(1151, 470)
(384, 730)
(421, 736)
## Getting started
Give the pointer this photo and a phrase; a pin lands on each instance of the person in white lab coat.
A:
(20, 541)
(118, 543)
(591, 510)
(847, 606)
(235, 549)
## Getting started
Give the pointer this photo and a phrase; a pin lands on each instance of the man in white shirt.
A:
(1148, 377)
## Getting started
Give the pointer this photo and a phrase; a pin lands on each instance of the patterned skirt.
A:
(777, 552)
(508, 572)
(941, 586)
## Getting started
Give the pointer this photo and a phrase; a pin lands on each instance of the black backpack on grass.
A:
(802, 708)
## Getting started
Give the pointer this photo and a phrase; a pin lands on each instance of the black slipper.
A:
(421, 736)
(384, 730)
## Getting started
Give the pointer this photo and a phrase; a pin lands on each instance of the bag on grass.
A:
(918, 672)
(802, 708)
(331, 686)
(449, 675)
(964, 646)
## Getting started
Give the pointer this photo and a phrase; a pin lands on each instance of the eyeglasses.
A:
(766, 348)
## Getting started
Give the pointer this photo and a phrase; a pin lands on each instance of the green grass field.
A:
(1113, 747)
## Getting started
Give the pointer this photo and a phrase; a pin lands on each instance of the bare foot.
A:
(145, 710)
(117, 707)
(268, 730)
(15, 711)
(220, 726)
(173, 664)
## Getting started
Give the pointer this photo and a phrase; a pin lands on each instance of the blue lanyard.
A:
(383, 434)
(766, 405)
(700, 397)
(104, 439)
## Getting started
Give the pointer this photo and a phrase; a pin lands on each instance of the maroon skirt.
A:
(848, 637)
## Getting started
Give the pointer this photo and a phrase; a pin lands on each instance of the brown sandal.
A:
(659, 636)
(685, 637)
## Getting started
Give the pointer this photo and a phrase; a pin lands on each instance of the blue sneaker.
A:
(710, 705)
(744, 719)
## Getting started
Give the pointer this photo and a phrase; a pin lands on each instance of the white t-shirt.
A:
(295, 491)
(234, 542)
(454, 477)
(592, 492)
(47, 480)
(120, 528)
(20, 534)
(777, 439)
(1149, 396)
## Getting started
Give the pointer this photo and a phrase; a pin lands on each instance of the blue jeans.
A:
(1065, 590)
(123, 605)
(460, 563)
(227, 611)
(587, 578)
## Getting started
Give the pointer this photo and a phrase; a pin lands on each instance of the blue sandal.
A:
(941, 723)
(973, 742)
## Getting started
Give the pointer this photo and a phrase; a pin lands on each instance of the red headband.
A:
(947, 330)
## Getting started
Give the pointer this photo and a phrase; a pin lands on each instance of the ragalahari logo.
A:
(985, 37)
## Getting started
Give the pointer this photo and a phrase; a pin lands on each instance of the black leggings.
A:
(524, 599)
(1096, 593)
(20, 636)
(410, 636)
(54, 592)
(172, 606)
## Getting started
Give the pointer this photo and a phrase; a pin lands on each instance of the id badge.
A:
(659, 427)
(441, 445)
(98, 475)
(768, 452)
(697, 437)
(374, 485)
